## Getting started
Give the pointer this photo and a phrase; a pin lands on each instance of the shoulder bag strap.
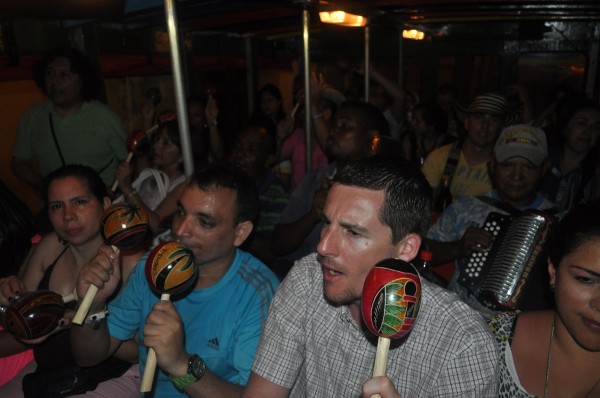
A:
(62, 159)
(452, 161)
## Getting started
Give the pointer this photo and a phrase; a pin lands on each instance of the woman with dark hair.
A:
(556, 353)
(268, 110)
(157, 189)
(75, 199)
(71, 126)
(574, 164)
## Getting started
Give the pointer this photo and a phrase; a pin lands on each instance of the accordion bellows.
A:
(499, 276)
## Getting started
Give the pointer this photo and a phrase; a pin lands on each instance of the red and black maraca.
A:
(137, 143)
(170, 269)
(390, 304)
(34, 314)
(123, 227)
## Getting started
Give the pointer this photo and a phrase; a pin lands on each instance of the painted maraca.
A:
(170, 269)
(34, 314)
(123, 227)
(137, 143)
(390, 304)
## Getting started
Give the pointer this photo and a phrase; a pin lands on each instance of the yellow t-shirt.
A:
(467, 180)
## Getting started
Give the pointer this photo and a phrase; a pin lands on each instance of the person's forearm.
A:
(215, 141)
(90, 343)
(9, 345)
(288, 237)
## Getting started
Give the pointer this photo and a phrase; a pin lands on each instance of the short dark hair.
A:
(85, 174)
(232, 177)
(579, 226)
(80, 65)
(369, 116)
(408, 197)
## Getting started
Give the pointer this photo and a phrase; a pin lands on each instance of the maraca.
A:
(170, 269)
(123, 227)
(34, 314)
(390, 304)
(137, 143)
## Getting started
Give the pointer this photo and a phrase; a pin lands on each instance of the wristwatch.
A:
(195, 371)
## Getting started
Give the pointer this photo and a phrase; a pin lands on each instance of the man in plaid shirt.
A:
(315, 344)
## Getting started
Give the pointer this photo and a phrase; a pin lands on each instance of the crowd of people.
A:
(282, 253)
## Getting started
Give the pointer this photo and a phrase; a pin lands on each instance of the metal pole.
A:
(180, 96)
(307, 129)
(400, 55)
(367, 63)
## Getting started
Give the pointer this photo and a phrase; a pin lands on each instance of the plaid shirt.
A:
(317, 350)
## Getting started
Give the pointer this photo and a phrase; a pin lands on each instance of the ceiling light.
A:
(342, 18)
(413, 34)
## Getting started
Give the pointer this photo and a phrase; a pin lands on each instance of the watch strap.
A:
(195, 371)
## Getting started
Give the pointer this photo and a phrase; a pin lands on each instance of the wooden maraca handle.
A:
(150, 367)
(116, 183)
(86, 303)
(381, 358)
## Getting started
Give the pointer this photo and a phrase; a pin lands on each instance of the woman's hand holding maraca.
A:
(102, 271)
(164, 333)
(9, 288)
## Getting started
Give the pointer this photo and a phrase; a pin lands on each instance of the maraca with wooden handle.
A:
(170, 269)
(123, 227)
(390, 304)
(137, 142)
(32, 315)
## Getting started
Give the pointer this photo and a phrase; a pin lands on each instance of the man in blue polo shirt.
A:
(204, 341)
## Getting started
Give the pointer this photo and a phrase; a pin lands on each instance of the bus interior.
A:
(234, 47)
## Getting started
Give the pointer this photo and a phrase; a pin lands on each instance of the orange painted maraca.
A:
(170, 269)
(390, 304)
(137, 143)
(34, 314)
(123, 227)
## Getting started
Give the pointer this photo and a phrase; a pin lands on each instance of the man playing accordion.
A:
(519, 163)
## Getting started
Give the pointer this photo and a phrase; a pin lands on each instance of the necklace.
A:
(548, 358)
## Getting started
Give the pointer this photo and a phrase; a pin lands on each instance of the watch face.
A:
(196, 367)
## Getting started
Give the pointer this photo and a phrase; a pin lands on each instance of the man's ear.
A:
(375, 141)
(106, 202)
(242, 231)
(408, 248)
(552, 273)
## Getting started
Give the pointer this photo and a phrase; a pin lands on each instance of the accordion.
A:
(497, 278)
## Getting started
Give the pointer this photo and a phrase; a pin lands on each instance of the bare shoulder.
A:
(42, 255)
(530, 330)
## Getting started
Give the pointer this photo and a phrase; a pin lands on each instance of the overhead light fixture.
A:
(413, 34)
(342, 18)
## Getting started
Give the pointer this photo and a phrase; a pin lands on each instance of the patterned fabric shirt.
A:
(316, 349)
(503, 327)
